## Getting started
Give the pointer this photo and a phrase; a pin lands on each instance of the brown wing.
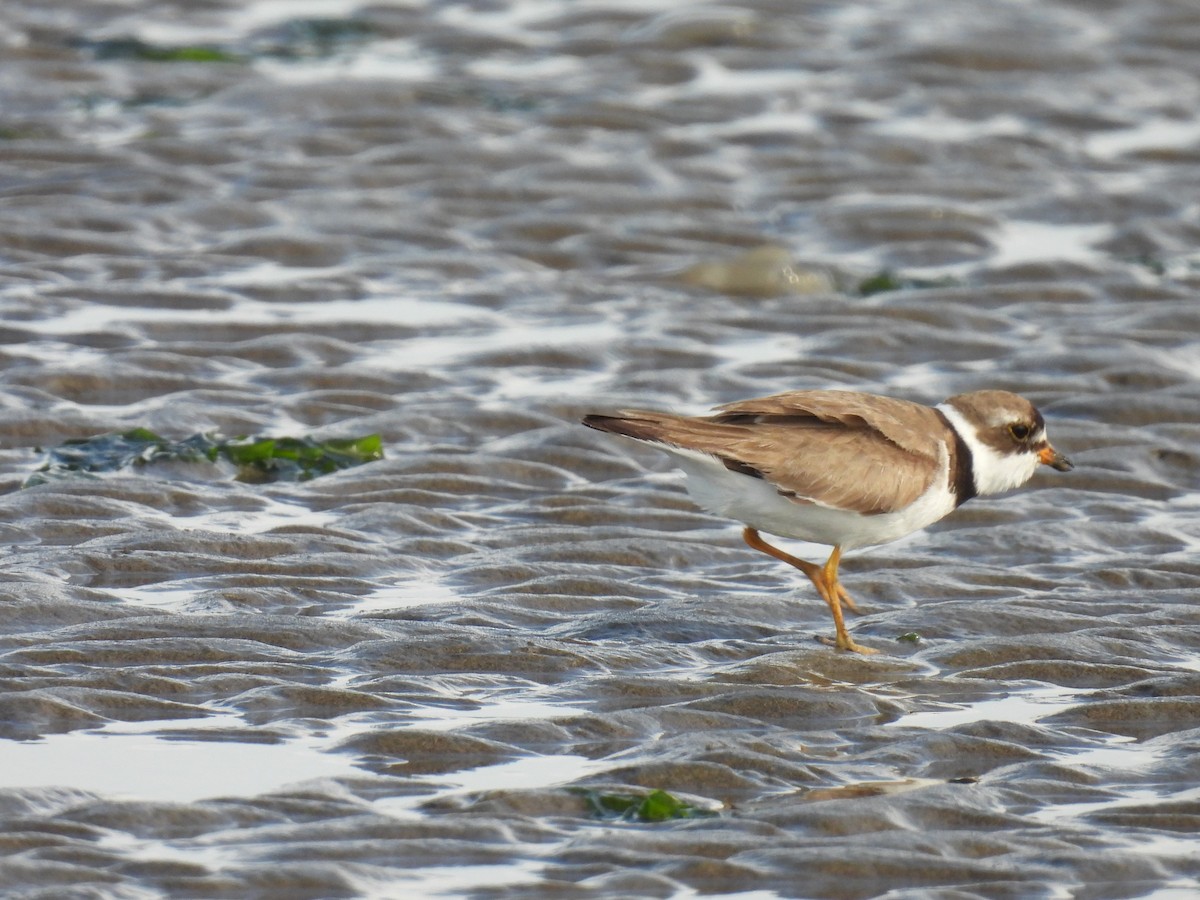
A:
(910, 426)
(847, 450)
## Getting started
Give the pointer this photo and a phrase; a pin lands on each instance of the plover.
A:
(845, 469)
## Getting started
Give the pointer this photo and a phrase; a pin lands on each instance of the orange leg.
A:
(824, 579)
(813, 571)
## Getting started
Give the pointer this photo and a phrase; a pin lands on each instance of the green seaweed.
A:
(299, 459)
(657, 806)
(292, 40)
(259, 459)
(886, 280)
(142, 51)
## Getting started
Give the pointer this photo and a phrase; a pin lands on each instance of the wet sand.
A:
(462, 228)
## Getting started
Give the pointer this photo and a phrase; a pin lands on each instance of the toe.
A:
(848, 645)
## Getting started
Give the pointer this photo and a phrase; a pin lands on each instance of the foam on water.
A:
(1023, 708)
(448, 880)
(1154, 134)
(1020, 242)
(493, 709)
(127, 761)
(402, 595)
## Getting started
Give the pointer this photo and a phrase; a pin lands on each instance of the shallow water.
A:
(462, 227)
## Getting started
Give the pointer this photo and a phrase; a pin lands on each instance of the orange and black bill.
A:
(1055, 460)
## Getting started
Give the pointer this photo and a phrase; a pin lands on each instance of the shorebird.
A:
(845, 469)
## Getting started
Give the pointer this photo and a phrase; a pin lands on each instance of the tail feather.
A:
(627, 424)
(671, 433)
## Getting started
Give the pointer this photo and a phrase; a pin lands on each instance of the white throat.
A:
(994, 472)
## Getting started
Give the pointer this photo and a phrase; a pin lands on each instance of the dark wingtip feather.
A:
(640, 429)
(600, 423)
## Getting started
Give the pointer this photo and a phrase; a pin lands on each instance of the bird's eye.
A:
(1019, 431)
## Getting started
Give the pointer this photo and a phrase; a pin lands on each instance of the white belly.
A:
(755, 502)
